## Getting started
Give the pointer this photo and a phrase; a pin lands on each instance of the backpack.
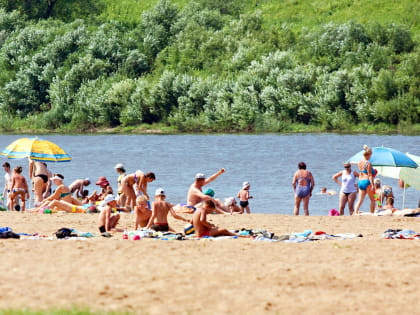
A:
(63, 233)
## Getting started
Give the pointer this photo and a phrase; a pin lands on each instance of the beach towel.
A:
(401, 234)
(8, 234)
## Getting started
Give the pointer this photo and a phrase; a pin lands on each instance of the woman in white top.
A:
(348, 192)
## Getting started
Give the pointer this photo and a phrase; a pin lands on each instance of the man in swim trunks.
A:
(204, 228)
(78, 185)
(7, 183)
(19, 188)
(195, 194)
(160, 209)
(106, 221)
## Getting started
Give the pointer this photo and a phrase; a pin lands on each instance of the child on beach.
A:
(106, 221)
(19, 188)
(142, 211)
(160, 209)
(243, 196)
(204, 228)
(232, 206)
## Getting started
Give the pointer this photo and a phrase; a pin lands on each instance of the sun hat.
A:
(102, 181)
(160, 192)
(109, 198)
(119, 165)
(200, 176)
(229, 201)
(245, 184)
(209, 192)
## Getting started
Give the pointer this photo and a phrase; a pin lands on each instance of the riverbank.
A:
(367, 275)
(380, 129)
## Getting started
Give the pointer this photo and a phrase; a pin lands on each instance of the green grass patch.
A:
(59, 312)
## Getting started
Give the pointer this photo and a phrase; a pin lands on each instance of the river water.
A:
(267, 161)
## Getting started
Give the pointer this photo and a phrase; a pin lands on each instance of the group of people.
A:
(360, 183)
(132, 195)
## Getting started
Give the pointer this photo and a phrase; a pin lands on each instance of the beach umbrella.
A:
(35, 149)
(385, 157)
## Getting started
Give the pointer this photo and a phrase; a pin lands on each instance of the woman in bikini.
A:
(121, 171)
(62, 193)
(348, 192)
(365, 184)
(39, 175)
(136, 182)
(303, 184)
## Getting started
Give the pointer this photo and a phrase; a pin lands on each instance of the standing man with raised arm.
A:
(195, 194)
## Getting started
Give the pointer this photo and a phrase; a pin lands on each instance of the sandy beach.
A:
(364, 275)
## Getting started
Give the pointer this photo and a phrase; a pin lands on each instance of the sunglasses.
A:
(347, 166)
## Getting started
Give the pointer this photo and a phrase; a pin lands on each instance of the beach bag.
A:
(63, 233)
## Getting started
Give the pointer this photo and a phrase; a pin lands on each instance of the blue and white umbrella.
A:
(382, 156)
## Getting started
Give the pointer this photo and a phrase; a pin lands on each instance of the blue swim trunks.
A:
(363, 184)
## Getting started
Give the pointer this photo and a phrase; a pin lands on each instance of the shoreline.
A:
(413, 130)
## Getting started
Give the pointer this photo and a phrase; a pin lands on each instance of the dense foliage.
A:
(207, 66)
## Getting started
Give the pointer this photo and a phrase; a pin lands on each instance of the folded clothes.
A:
(401, 234)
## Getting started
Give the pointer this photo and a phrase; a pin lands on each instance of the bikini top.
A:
(365, 169)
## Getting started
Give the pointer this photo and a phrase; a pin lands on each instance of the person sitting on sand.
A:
(135, 183)
(232, 206)
(244, 196)
(390, 210)
(78, 185)
(160, 208)
(106, 221)
(61, 193)
(142, 212)
(19, 188)
(204, 228)
(195, 194)
(106, 189)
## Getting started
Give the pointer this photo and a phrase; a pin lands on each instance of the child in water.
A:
(19, 188)
(243, 196)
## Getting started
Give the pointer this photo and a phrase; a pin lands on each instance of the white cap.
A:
(377, 181)
(159, 192)
(119, 165)
(109, 198)
(56, 177)
(229, 201)
(87, 180)
(245, 184)
(200, 176)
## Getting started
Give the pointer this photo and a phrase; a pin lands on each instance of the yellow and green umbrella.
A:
(35, 149)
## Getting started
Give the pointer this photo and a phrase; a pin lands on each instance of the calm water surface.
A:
(268, 162)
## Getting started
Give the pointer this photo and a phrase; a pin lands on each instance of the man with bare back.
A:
(19, 188)
(160, 209)
(195, 194)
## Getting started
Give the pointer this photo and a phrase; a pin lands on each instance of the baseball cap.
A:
(200, 176)
(160, 192)
(377, 181)
(245, 184)
(109, 198)
(87, 180)
(119, 165)
(209, 192)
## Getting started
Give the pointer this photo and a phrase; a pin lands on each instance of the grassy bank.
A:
(58, 312)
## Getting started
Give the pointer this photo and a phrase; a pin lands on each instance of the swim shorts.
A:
(244, 204)
(160, 227)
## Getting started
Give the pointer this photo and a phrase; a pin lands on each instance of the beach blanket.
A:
(401, 234)
(148, 233)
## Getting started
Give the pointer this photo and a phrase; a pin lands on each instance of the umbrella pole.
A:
(404, 197)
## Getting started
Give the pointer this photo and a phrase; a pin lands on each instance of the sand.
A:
(365, 275)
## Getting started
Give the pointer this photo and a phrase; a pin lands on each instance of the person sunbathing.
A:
(390, 210)
(160, 208)
(106, 221)
(142, 212)
(62, 193)
(204, 228)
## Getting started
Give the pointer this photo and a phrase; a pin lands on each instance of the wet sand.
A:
(366, 275)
